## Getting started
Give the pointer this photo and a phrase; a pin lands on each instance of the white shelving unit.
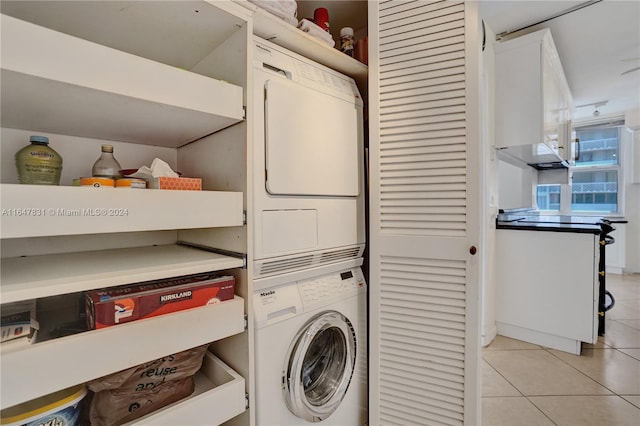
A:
(270, 27)
(58, 83)
(31, 277)
(40, 210)
(119, 72)
(30, 371)
(217, 386)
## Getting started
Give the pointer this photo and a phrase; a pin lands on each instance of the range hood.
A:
(539, 156)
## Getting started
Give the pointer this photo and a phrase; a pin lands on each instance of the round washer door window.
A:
(319, 366)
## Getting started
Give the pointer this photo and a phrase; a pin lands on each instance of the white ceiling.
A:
(596, 43)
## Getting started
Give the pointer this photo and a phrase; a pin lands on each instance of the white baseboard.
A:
(614, 270)
(538, 338)
(488, 335)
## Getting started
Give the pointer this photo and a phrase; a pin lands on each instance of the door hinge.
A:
(246, 401)
(244, 217)
(246, 322)
(244, 112)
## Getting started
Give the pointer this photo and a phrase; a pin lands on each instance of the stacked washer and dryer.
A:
(310, 296)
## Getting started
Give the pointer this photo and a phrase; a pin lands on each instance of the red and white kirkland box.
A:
(118, 305)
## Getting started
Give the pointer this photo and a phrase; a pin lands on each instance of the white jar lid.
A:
(346, 31)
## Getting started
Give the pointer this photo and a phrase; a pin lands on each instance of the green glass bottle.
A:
(38, 164)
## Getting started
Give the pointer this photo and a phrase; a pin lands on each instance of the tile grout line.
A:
(583, 373)
(540, 410)
(612, 393)
(519, 391)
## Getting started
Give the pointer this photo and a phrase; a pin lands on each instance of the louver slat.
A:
(447, 62)
(418, 348)
(443, 117)
(417, 114)
(408, 349)
(426, 96)
(411, 198)
(424, 79)
(444, 393)
(410, 53)
(442, 406)
(427, 146)
(426, 10)
(396, 6)
(407, 409)
(416, 31)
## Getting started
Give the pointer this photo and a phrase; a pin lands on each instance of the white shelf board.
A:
(35, 370)
(49, 210)
(216, 385)
(270, 27)
(53, 82)
(177, 33)
(32, 277)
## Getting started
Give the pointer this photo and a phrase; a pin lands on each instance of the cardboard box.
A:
(181, 183)
(118, 305)
(18, 320)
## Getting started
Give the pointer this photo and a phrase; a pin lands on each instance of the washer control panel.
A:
(331, 286)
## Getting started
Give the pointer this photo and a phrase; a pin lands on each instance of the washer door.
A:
(319, 366)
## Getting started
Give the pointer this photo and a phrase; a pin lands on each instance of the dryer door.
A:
(319, 366)
(311, 141)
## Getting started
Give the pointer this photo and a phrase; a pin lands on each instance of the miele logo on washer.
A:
(267, 293)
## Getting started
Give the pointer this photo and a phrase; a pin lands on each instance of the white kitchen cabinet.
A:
(532, 96)
(125, 72)
(547, 287)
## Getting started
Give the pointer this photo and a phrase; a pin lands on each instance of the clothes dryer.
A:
(311, 350)
(308, 162)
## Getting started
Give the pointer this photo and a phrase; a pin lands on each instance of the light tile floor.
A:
(529, 385)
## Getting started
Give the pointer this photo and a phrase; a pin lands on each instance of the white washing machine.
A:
(310, 348)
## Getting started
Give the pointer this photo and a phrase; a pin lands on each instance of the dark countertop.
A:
(555, 227)
(523, 222)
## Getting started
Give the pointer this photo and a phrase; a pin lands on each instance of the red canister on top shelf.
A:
(361, 51)
(321, 18)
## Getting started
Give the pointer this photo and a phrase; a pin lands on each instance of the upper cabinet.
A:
(533, 101)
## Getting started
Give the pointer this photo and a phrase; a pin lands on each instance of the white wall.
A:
(515, 186)
(490, 196)
(631, 150)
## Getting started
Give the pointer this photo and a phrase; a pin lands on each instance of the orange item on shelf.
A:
(181, 183)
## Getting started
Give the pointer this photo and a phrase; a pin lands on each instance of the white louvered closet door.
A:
(424, 85)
